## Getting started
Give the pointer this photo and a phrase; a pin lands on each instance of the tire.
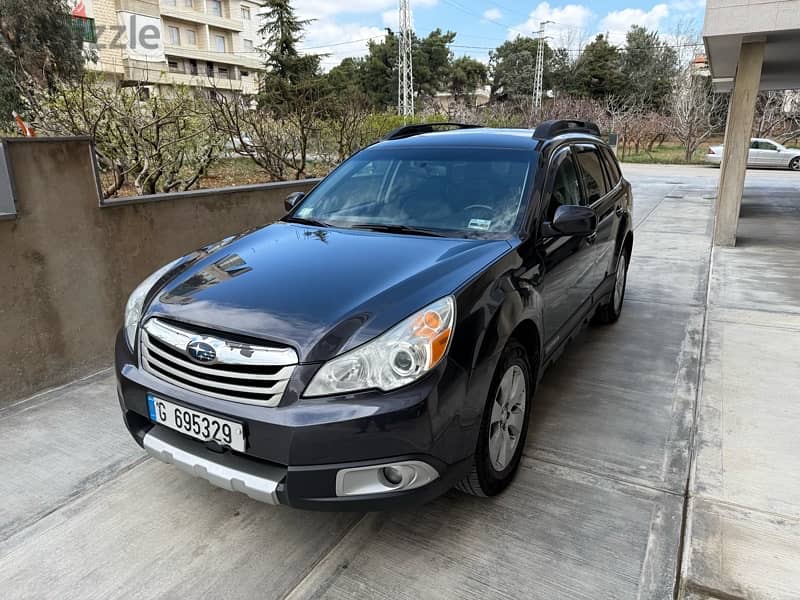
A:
(609, 312)
(490, 476)
(794, 165)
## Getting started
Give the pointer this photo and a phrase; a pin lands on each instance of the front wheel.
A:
(504, 426)
(610, 311)
(795, 164)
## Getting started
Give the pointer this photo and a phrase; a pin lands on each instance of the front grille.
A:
(228, 369)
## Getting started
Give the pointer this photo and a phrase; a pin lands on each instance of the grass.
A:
(669, 153)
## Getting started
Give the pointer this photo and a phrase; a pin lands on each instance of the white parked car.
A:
(763, 153)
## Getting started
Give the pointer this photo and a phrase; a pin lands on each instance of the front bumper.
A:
(295, 450)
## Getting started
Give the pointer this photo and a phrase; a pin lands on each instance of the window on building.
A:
(188, 3)
(215, 8)
(223, 72)
(210, 69)
(191, 37)
(245, 73)
(85, 28)
(245, 13)
(193, 67)
(174, 35)
(219, 43)
(247, 45)
(175, 66)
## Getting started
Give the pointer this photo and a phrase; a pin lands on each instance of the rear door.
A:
(568, 260)
(771, 153)
(604, 198)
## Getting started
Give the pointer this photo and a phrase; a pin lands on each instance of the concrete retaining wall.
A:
(67, 264)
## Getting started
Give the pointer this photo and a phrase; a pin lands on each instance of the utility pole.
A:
(537, 78)
(405, 83)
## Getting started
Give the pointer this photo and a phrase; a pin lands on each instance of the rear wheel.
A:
(504, 426)
(610, 311)
(795, 164)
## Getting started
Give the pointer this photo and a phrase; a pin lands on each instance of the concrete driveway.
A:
(597, 511)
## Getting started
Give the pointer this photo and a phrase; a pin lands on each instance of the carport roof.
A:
(730, 23)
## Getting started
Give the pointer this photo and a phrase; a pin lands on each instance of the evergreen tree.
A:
(466, 75)
(649, 67)
(513, 67)
(38, 46)
(283, 31)
(598, 72)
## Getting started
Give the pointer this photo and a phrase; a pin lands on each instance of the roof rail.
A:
(418, 128)
(550, 129)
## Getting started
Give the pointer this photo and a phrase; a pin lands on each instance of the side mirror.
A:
(571, 219)
(292, 200)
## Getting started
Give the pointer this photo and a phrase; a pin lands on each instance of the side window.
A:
(612, 168)
(768, 146)
(592, 170)
(566, 188)
(754, 145)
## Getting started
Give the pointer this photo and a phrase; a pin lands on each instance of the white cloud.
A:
(493, 14)
(618, 22)
(569, 26)
(391, 18)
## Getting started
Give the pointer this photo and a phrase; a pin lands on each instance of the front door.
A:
(567, 281)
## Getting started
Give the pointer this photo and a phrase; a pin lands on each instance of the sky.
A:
(341, 27)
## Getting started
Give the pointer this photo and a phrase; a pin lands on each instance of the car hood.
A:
(320, 290)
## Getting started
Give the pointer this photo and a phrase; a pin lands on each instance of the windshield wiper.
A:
(302, 221)
(397, 229)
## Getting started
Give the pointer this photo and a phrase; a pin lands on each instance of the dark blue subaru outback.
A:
(382, 343)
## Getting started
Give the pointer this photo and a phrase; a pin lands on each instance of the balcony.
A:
(196, 16)
(248, 62)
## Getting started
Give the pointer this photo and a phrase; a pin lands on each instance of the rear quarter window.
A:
(612, 168)
(592, 171)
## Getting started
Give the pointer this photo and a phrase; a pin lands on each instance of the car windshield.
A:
(450, 191)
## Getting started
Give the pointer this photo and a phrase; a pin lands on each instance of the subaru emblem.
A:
(201, 351)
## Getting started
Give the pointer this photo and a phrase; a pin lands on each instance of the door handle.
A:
(619, 212)
(591, 238)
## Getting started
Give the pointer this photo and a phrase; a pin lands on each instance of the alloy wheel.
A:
(508, 417)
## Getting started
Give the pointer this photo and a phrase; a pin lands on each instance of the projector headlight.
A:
(133, 309)
(394, 359)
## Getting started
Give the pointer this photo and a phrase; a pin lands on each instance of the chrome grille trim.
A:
(228, 352)
(244, 373)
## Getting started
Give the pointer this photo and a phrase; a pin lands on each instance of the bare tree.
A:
(770, 119)
(154, 143)
(696, 110)
(277, 141)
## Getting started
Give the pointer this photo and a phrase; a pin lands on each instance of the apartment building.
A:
(161, 43)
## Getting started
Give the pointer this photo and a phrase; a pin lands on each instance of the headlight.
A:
(396, 358)
(133, 309)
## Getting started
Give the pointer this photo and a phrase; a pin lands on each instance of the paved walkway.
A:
(612, 500)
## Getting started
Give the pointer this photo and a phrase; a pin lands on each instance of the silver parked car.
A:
(763, 153)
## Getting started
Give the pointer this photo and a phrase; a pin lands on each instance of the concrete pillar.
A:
(737, 142)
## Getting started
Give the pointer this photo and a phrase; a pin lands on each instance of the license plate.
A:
(195, 423)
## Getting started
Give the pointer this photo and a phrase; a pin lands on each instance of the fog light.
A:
(377, 479)
(393, 475)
